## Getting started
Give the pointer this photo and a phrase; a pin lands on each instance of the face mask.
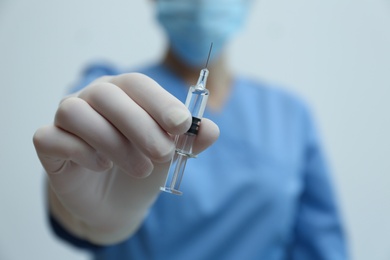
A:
(192, 25)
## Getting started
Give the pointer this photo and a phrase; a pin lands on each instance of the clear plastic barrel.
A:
(196, 103)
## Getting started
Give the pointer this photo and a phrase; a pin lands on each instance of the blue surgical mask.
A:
(192, 25)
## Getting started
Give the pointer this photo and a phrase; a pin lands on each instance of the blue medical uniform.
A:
(262, 191)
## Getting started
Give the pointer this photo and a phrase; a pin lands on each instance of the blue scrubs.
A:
(262, 191)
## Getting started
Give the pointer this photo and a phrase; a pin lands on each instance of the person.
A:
(262, 191)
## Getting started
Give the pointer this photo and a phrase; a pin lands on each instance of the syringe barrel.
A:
(196, 103)
(176, 170)
(197, 96)
(197, 100)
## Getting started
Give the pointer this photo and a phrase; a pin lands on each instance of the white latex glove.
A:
(108, 152)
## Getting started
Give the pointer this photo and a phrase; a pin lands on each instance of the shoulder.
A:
(92, 71)
(97, 69)
(272, 96)
(279, 108)
(104, 68)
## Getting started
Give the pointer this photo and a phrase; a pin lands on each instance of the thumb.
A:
(207, 135)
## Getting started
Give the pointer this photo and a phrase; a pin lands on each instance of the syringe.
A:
(196, 103)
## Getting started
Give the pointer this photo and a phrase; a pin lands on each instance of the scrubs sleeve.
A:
(318, 229)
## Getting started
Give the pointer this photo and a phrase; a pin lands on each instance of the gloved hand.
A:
(108, 152)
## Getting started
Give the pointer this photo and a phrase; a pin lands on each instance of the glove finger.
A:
(130, 119)
(77, 117)
(145, 92)
(171, 114)
(57, 148)
(207, 135)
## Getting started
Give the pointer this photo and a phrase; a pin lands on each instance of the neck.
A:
(218, 83)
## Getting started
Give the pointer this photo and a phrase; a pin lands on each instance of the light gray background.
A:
(335, 54)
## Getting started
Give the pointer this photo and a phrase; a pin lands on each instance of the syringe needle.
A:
(208, 57)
